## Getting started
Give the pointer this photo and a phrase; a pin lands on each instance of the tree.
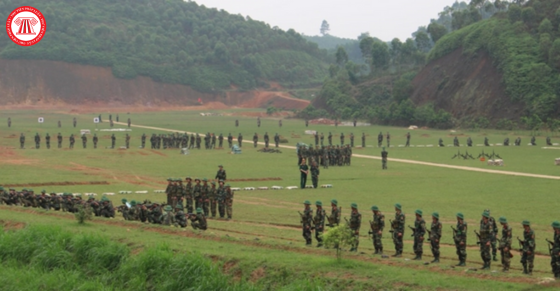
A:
(545, 26)
(514, 13)
(554, 54)
(380, 55)
(423, 42)
(436, 31)
(365, 46)
(325, 28)
(341, 56)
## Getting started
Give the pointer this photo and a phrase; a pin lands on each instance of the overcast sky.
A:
(383, 19)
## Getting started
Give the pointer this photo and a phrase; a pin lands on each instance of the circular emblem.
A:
(26, 26)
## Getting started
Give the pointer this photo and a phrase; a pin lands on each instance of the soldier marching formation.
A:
(487, 236)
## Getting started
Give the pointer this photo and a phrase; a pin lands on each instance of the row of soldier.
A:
(517, 142)
(319, 139)
(487, 237)
(164, 214)
(325, 156)
(72, 140)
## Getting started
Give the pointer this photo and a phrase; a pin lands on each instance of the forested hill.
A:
(171, 41)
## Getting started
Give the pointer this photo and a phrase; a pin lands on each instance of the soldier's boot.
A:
(436, 259)
(486, 266)
(376, 251)
(494, 258)
(525, 269)
(380, 251)
(396, 254)
(530, 270)
(319, 244)
(418, 257)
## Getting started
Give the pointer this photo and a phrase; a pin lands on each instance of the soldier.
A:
(240, 140)
(341, 138)
(397, 226)
(196, 192)
(220, 140)
(440, 142)
(518, 141)
(469, 141)
(455, 141)
(229, 202)
(198, 140)
(117, 118)
(9, 122)
(188, 194)
(355, 122)
(379, 139)
(280, 122)
(377, 225)
(198, 221)
(128, 121)
(213, 199)
(363, 139)
(127, 140)
(204, 201)
(37, 141)
(113, 139)
(388, 140)
(407, 139)
(548, 141)
(533, 141)
(55, 202)
(506, 141)
(334, 219)
(351, 139)
(72, 141)
(59, 140)
(48, 140)
(221, 195)
(255, 139)
(528, 248)
(59, 124)
(276, 139)
(111, 124)
(486, 143)
(123, 208)
(306, 123)
(319, 222)
(266, 139)
(133, 211)
(419, 232)
(236, 123)
(384, 155)
(555, 250)
(505, 244)
(304, 170)
(143, 140)
(354, 224)
(306, 219)
(107, 209)
(167, 218)
(485, 239)
(74, 121)
(330, 138)
(316, 136)
(95, 140)
(460, 238)
(230, 140)
(322, 138)
(435, 236)
(493, 235)
(221, 174)
(180, 218)
(84, 140)
(258, 121)
(314, 175)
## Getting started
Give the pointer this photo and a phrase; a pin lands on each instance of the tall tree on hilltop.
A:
(436, 31)
(341, 56)
(325, 28)
(365, 47)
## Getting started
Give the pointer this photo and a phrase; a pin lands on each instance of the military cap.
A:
(133, 203)
(1, 188)
(213, 183)
(526, 222)
(220, 166)
(30, 190)
(179, 206)
(188, 178)
(227, 185)
(24, 189)
(503, 219)
(43, 191)
(398, 206)
(486, 214)
(436, 215)
(556, 224)
(168, 208)
(318, 203)
(460, 215)
(354, 205)
(196, 179)
(123, 200)
(334, 202)
(306, 202)
(199, 210)
(204, 180)
(53, 193)
(375, 208)
(169, 179)
(487, 210)
(104, 199)
(418, 211)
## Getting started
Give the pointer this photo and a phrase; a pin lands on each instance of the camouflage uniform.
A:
(198, 221)
(204, 201)
(555, 252)
(384, 155)
(319, 222)
(188, 194)
(334, 219)
(485, 239)
(460, 238)
(419, 232)
(229, 201)
(355, 223)
(212, 199)
(505, 244)
(196, 193)
(168, 218)
(306, 219)
(435, 236)
(180, 219)
(528, 250)
(377, 226)
(398, 228)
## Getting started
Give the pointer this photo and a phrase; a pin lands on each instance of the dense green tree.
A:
(380, 55)
(423, 42)
(366, 45)
(514, 13)
(341, 56)
(325, 28)
(545, 26)
(436, 31)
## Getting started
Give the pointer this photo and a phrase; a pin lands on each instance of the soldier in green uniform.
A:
(72, 141)
(198, 221)
(123, 208)
(397, 226)
(384, 155)
(419, 232)
(505, 244)
(59, 140)
(377, 225)
(330, 138)
(113, 139)
(196, 192)
(95, 140)
(306, 219)
(212, 199)
(363, 139)
(460, 238)
(407, 139)
(167, 218)
(319, 222)
(143, 140)
(266, 139)
(334, 219)
(485, 239)
(493, 235)
(276, 139)
(21, 141)
(127, 140)
(240, 140)
(180, 218)
(229, 202)
(188, 194)
(435, 236)
(204, 201)
(37, 141)
(221, 174)
(48, 140)
(355, 223)
(220, 140)
(133, 211)
(555, 250)
(255, 139)
(221, 195)
(315, 174)
(230, 140)
(107, 210)
(304, 170)
(528, 248)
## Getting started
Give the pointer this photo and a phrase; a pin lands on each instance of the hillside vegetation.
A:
(171, 41)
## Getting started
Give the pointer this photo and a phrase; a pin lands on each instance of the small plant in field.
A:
(339, 237)
(83, 214)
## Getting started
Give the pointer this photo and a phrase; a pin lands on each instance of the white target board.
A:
(96, 120)
(41, 119)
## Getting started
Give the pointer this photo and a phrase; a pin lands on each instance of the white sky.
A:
(385, 19)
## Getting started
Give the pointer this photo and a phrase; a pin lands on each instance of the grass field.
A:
(264, 237)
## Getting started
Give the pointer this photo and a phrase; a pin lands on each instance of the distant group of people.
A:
(72, 141)
(506, 143)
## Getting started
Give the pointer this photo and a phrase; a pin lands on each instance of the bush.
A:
(84, 213)
(338, 237)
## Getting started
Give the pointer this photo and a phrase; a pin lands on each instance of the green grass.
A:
(256, 213)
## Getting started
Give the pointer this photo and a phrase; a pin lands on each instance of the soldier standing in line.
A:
(469, 141)
(315, 174)
(204, 201)
(280, 122)
(407, 139)
(59, 139)
(316, 136)
(9, 122)
(128, 121)
(72, 141)
(113, 139)
(322, 138)
(351, 139)
(220, 140)
(169, 190)
(319, 221)
(363, 139)
(306, 123)
(266, 139)
(127, 140)
(493, 235)
(240, 140)
(384, 155)
(419, 232)
(455, 141)
(379, 139)
(460, 238)
(255, 139)
(167, 218)
(84, 140)
(236, 123)
(59, 124)
(555, 250)
(188, 194)
(117, 118)
(355, 122)
(37, 141)
(230, 140)
(95, 140)
(377, 225)
(74, 122)
(48, 140)
(435, 236)
(440, 142)
(388, 140)
(528, 248)
(196, 192)
(306, 219)
(485, 239)
(258, 121)
(229, 202)
(221, 174)
(505, 244)
(398, 230)
(143, 140)
(304, 170)
(276, 139)
(341, 138)
(330, 138)
(212, 199)
(486, 143)
(334, 219)
(354, 224)
(221, 195)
